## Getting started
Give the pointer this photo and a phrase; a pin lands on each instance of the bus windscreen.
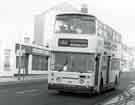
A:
(70, 62)
(75, 24)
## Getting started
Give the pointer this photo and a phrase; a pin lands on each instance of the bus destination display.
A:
(73, 42)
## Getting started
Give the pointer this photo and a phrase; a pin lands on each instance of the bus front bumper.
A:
(71, 88)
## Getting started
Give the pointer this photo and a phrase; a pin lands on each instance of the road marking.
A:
(27, 91)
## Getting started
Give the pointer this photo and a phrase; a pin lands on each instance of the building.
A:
(31, 59)
(128, 58)
(7, 58)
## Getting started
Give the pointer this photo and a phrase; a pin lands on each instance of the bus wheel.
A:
(101, 85)
(116, 80)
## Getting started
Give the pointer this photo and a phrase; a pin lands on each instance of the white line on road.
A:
(27, 91)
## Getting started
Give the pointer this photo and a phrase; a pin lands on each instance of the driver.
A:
(65, 67)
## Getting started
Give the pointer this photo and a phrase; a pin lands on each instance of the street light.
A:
(21, 53)
(19, 70)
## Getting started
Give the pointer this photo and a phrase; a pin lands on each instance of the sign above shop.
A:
(39, 51)
(25, 48)
(30, 50)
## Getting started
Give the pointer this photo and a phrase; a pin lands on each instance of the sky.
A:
(17, 16)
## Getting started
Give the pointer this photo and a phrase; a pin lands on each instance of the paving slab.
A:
(127, 97)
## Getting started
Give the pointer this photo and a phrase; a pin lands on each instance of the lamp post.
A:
(19, 70)
(21, 53)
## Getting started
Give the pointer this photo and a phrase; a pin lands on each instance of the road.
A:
(38, 94)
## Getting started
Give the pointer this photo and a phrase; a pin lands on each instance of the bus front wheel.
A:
(101, 85)
(116, 80)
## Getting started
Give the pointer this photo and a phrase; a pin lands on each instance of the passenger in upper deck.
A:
(65, 28)
(75, 24)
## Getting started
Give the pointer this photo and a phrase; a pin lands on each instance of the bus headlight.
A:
(88, 77)
(58, 79)
(81, 81)
(88, 82)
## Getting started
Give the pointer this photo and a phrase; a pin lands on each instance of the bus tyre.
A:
(101, 85)
(116, 80)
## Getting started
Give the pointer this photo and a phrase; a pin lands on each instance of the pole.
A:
(23, 65)
(19, 71)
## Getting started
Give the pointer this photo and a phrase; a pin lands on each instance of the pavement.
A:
(127, 97)
(26, 79)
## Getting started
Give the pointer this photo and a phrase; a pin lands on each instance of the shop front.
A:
(31, 59)
(39, 61)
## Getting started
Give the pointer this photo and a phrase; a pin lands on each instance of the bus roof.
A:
(76, 14)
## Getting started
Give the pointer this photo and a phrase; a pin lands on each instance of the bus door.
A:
(104, 71)
(97, 60)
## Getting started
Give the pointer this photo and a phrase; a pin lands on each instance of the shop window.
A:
(22, 63)
(39, 62)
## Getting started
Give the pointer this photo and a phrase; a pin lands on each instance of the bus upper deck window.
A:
(75, 24)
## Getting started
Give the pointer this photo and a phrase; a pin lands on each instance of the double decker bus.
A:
(85, 55)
